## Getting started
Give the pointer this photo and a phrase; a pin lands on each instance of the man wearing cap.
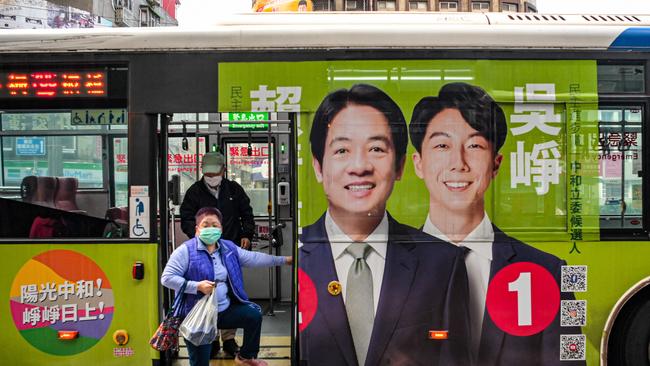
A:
(215, 190)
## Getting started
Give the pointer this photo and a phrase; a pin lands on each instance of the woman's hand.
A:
(205, 286)
(288, 260)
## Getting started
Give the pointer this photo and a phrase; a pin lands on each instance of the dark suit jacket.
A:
(543, 349)
(424, 288)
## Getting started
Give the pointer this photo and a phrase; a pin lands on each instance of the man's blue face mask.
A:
(210, 235)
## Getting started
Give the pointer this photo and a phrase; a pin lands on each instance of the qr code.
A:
(574, 279)
(573, 313)
(572, 347)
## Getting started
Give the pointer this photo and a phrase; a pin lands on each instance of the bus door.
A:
(258, 158)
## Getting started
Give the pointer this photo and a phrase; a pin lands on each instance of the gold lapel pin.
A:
(334, 288)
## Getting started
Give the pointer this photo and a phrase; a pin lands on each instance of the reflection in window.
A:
(621, 79)
(58, 156)
(60, 179)
(250, 168)
(183, 162)
(620, 167)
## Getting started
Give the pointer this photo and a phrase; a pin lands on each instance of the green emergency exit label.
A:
(248, 126)
(248, 116)
(248, 121)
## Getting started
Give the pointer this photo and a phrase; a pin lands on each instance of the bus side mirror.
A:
(175, 189)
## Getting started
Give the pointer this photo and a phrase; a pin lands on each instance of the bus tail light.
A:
(438, 334)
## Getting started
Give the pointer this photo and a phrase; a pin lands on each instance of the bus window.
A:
(251, 170)
(621, 79)
(620, 165)
(56, 172)
(183, 162)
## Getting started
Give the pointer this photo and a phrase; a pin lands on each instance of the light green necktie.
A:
(359, 302)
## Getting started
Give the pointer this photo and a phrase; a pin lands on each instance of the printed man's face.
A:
(358, 166)
(456, 163)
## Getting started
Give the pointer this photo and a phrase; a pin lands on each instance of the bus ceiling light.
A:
(438, 334)
(68, 335)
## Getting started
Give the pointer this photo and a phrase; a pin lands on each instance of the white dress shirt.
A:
(478, 262)
(376, 259)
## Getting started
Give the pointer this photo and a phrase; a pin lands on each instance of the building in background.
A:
(263, 6)
(87, 13)
(518, 6)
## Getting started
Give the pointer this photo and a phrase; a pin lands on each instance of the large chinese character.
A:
(28, 293)
(32, 316)
(262, 100)
(69, 313)
(85, 289)
(537, 165)
(89, 309)
(535, 115)
(49, 291)
(51, 314)
(66, 289)
(289, 98)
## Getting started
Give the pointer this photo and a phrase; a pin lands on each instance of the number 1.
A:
(524, 300)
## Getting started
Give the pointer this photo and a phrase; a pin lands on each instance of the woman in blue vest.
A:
(209, 263)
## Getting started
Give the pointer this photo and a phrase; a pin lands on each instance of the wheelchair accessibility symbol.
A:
(139, 217)
(138, 229)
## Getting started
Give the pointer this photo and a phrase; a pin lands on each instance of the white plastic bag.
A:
(200, 325)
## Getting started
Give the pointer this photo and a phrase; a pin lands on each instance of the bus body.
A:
(115, 107)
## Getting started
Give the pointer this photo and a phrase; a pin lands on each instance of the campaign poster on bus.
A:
(447, 209)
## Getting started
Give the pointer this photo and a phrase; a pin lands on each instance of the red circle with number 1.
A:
(523, 299)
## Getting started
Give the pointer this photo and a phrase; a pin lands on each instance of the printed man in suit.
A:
(396, 283)
(457, 136)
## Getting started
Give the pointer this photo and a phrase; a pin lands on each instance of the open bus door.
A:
(259, 158)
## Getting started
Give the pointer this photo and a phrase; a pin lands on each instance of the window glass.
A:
(62, 156)
(251, 171)
(480, 6)
(183, 162)
(351, 5)
(62, 179)
(621, 79)
(620, 166)
(448, 6)
(120, 171)
(418, 5)
(386, 5)
(511, 8)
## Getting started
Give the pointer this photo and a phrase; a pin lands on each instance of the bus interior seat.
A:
(66, 194)
(38, 190)
(47, 227)
(118, 214)
(119, 222)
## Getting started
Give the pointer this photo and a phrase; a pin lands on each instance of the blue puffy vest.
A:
(201, 268)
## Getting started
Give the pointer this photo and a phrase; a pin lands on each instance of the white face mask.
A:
(213, 182)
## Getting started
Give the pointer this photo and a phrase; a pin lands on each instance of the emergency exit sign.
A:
(248, 126)
(248, 121)
(248, 116)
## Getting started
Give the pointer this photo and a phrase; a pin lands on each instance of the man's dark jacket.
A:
(234, 204)
(424, 288)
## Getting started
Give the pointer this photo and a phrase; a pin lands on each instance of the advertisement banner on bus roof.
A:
(439, 202)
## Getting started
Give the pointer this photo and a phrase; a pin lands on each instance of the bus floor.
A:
(275, 343)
